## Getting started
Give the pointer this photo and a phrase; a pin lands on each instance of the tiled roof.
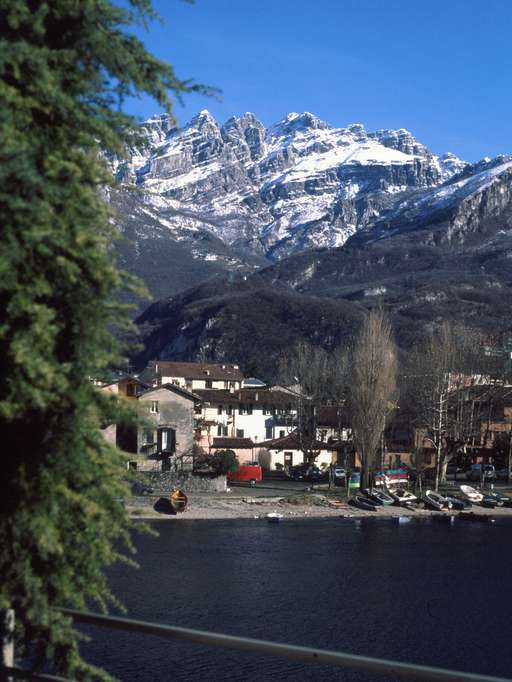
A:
(174, 389)
(291, 441)
(332, 416)
(196, 370)
(232, 443)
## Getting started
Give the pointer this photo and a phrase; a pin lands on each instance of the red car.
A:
(247, 473)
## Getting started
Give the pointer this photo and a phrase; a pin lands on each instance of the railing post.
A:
(7, 634)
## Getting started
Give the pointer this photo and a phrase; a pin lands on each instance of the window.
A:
(219, 409)
(245, 409)
(154, 407)
(268, 432)
(222, 430)
(149, 437)
(208, 383)
(281, 434)
(232, 384)
(198, 408)
(266, 410)
(239, 433)
(229, 409)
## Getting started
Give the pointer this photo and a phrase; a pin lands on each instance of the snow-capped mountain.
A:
(278, 191)
(442, 252)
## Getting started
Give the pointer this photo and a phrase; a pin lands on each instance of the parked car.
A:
(475, 472)
(307, 472)
(339, 472)
(298, 472)
(247, 473)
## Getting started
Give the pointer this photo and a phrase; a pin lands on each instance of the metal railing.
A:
(307, 655)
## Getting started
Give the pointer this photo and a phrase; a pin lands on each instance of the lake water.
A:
(423, 592)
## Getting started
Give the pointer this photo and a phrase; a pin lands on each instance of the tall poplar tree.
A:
(65, 68)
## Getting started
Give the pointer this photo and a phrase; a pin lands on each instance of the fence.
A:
(307, 655)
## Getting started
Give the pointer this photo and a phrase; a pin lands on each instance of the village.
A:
(189, 412)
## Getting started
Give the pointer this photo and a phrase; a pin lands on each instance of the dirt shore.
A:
(313, 506)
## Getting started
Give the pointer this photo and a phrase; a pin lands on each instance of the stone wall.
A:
(169, 480)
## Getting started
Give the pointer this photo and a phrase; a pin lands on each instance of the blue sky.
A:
(441, 69)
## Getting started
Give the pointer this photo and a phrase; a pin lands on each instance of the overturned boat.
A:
(364, 503)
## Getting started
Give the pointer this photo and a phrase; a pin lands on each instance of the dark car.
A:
(298, 472)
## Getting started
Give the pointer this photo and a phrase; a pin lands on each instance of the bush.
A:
(224, 462)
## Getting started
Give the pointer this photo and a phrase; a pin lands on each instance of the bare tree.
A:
(318, 378)
(372, 388)
(453, 384)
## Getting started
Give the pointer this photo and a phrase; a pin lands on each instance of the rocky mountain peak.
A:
(274, 191)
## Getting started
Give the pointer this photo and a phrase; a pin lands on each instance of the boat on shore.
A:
(502, 500)
(378, 496)
(274, 517)
(471, 494)
(364, 503)
(178, 501)
(403, 498)
(458, 503)
(436, 501)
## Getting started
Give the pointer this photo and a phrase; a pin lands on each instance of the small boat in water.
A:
(178, 501)
(274, 517)
(436, 501)
(364, 503)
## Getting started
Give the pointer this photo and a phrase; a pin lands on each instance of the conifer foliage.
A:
(65, 68)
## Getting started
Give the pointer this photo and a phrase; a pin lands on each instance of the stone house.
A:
(165, 436)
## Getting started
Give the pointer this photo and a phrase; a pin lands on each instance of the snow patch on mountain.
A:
(277, 190)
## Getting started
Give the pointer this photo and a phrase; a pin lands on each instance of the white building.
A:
(282, 453)
(247, 413)
(193, 375)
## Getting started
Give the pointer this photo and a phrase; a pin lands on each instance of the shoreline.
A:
(258, 508)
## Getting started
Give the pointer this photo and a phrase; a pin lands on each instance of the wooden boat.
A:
(178, 500)
(471, 494)
(436, 501)
(378, 496)
(364, 503)
(274, 517)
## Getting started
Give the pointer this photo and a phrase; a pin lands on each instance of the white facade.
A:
(270, 458)
(206, 383)
(256, 418)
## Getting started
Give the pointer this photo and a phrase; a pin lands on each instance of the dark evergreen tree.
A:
(65, 68)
